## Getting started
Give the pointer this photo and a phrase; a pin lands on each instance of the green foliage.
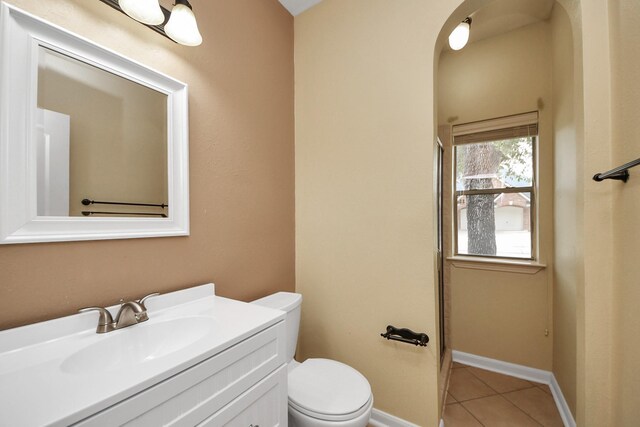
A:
(516, 159)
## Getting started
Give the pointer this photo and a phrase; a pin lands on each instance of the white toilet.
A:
(322, 392)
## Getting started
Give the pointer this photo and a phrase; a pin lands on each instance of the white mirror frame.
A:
(21, 35)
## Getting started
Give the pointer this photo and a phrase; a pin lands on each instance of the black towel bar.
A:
(406, 335)
(621, 173)
(89, 213)
(88, 202)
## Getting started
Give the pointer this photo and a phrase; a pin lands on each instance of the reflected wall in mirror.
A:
(93, 145)
(100, 137)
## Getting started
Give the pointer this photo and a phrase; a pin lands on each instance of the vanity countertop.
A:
(60, 371)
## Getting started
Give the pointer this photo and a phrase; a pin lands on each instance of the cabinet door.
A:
(202, 390)
(263, 405)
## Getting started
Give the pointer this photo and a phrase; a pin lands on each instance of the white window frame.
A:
(480, 132)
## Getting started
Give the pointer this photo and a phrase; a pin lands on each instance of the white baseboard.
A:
(561, 403)
(441, 422)
(520, 371)
(382, 419)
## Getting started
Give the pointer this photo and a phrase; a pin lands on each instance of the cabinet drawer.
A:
(194, 394)
(264, 405)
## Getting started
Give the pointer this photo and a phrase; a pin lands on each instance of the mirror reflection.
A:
(102, 142)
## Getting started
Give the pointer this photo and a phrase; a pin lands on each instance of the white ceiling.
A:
(497, 17)
(296, 7)
(502, 16)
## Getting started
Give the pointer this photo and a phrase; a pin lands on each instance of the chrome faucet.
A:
(130, 313)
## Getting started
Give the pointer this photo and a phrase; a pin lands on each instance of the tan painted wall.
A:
(364, 180)
(605, 53)
(118, 141)
(625, 49)
(565, 276)
(493, 313)
(595, 236)
(241, 169)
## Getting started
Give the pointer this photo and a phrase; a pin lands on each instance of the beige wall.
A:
(364, 211)
(241, 169)
(494, 313)
(595, 236)
(565, 276)
(340, 113)
(625, 50)
(606, 57)
(605, 109)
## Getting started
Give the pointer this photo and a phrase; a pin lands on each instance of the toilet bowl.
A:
(322, 392)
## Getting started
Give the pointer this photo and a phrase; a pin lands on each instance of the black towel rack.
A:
(621, 173)
(89, 213)
(88, 202)
(405, 335)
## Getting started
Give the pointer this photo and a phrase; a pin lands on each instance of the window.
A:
(494, 164)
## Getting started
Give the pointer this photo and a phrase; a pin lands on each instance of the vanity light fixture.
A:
(145, 11)
(178, 25)
(182, 26)
(460, 35)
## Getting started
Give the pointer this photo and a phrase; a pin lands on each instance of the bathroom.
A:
(311, 148)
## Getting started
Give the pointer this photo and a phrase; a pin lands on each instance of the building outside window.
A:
(495, 163)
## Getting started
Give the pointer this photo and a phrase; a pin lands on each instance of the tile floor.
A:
(478, 398)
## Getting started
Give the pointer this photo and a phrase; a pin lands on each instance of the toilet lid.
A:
(326, 387)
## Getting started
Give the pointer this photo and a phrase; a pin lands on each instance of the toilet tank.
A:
(290, 303)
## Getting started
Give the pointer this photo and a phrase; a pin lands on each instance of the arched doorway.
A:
(520, 59)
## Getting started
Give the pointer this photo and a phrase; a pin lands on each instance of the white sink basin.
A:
(68, 373)
(137, 345)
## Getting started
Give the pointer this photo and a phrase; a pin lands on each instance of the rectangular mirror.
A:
(98, 147)
(111, 151)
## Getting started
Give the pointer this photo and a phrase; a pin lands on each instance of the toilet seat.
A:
(328, 390)
(326, 417)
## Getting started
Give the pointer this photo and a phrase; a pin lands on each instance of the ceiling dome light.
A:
(182, 26)
(460, 36)
(146, 11)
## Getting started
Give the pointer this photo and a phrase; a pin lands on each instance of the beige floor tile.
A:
(456, 416)
(544, 388)
(463, 385)
(496, 411)
(538, 404)
(499, 382)
(456, 365)
(450, 399)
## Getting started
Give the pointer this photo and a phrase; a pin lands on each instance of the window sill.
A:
(510, 266)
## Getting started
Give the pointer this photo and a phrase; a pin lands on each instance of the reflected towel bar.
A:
(89, 213)
(88, 202)
(620, 173)
(406, 335)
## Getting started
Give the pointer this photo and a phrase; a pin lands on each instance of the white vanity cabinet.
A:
(199, 359)
(242, 386)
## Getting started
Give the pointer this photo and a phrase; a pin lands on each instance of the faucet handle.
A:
(146, 297)
(105, 321)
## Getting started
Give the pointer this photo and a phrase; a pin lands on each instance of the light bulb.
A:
(146, 11)
(182, 26)
(460, 36)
